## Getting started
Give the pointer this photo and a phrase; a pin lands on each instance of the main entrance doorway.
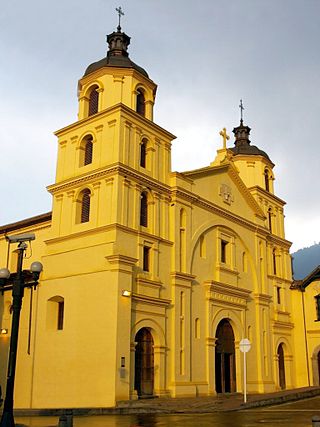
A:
(282, 373)
(144, 364)
(225, 368)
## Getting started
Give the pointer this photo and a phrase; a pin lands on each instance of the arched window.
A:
(86, 151)
(317, 300)
(85, 205)
(267, 179)
(183, 240)
(143, 153)
(274, 261)
(270, 219)
(93, 101)
(55, 313)
(144, 209)
(140, 102)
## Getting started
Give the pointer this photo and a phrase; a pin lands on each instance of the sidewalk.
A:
(231, 402)
(187, 405)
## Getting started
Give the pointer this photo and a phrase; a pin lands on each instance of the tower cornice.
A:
(118, 108)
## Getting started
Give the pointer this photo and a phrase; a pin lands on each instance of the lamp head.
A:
(126, 293)
(4, 273)
(36, 268)
(19, 238)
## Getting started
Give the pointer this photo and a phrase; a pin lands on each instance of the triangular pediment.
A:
(223, 186)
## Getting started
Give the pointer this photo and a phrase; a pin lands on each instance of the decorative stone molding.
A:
(228, 294)
(225, 192)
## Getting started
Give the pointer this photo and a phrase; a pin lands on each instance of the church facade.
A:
(151, 277)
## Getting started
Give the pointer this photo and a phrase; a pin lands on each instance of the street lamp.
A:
(16, 283)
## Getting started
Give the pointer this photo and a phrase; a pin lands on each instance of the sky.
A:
(205, 56)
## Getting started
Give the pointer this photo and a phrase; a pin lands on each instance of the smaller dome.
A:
(120, 62)
(117, 55)
(242, 143)
(250, 150)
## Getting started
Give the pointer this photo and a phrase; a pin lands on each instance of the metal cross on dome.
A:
(120, 13)
(241, 111)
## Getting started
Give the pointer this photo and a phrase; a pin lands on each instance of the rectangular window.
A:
(60, 315)
(144, 209)
(317, 299)
(274, 262)
(146, 258)
(278, 294)
(223, 255)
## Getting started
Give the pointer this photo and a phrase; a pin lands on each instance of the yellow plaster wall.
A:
(184, 295)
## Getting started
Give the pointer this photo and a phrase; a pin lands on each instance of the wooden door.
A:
(225, 367)
(282, 373)
(144, 363)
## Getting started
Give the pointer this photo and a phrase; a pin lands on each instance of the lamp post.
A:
(16, 283)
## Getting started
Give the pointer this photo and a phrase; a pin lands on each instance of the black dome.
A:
(115, 61)
(117, 55)
(250, 150)
(242, 143)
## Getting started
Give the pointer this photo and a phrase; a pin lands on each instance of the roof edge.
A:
(38, 219)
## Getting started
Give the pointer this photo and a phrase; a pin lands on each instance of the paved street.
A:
(296, 414)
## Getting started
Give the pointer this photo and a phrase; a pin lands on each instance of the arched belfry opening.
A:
(225, 360)
(144, 363)
(93, 105)
(281, 367)
(141, 108)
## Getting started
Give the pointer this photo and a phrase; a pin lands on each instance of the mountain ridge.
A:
(305, 260)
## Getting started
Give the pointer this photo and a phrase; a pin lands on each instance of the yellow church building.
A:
(151, 278)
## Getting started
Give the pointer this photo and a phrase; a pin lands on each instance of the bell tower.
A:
(110, 221)
(115, 131)
(117, 79)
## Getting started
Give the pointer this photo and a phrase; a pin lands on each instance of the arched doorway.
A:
(225, 362)
(144, 363)
(281, 367)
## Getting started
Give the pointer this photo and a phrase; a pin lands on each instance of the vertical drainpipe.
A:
(305, 335)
